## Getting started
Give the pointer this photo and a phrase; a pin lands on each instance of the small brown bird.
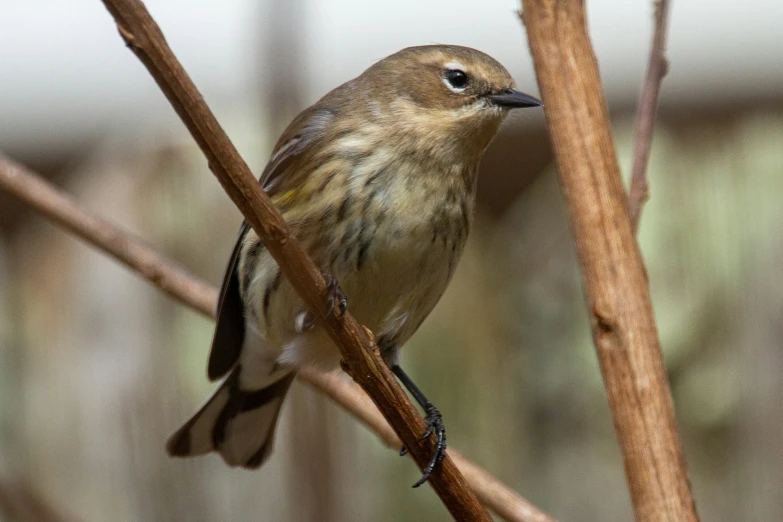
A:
(378, 181)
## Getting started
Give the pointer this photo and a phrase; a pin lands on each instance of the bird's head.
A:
(446, 95)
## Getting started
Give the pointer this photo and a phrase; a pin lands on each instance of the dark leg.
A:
(434, 424)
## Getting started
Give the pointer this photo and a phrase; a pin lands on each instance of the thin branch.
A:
(645, 114)
(129, 250)
(200, 296)
(615, 281)
(144, 38)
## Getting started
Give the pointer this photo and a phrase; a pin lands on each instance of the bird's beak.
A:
(512, 99)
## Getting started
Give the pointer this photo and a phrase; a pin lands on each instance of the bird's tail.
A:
(239, 424)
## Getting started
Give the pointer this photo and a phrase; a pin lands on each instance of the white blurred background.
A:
(96, 367)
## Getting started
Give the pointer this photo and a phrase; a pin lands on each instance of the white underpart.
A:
(242, 432)
(300, 323)
(201, 430)
(258, 366)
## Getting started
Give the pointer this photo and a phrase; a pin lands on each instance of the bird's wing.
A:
(304, 132)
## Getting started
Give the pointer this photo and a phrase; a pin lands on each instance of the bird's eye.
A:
(456, 79)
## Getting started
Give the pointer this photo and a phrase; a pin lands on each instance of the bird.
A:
(377, 180)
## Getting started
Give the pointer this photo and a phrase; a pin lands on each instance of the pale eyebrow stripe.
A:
(455, 65)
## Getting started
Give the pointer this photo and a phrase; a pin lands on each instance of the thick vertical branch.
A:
(144, 38)
(645, 113)
(615, 280)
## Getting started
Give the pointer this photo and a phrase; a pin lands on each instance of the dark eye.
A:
(457, 79)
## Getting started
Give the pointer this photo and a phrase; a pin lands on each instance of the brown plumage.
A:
(377, 180)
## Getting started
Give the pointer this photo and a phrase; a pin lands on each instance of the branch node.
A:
(604, 323)
(128, 37)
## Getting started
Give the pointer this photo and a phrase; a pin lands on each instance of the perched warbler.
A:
(378, 181)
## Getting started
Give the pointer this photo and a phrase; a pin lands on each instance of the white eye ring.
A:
(456, 79)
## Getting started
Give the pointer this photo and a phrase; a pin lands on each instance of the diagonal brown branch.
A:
(645, 114)
(144, 38)
(131, 251)
(615, 281)
(200, 296)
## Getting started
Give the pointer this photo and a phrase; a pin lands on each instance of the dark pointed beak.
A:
(512, 99)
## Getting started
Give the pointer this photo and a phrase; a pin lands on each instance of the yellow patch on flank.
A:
(288, 196)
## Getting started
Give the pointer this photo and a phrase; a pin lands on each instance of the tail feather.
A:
(239, 424)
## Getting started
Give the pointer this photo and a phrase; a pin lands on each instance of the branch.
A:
(645, 115)
(615, 281)
(129, 250)
(200, 296)
(144, 38)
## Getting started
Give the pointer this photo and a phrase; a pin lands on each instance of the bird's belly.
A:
(393, 271)
(397, 285)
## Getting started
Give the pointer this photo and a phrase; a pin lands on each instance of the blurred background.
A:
(97, 367)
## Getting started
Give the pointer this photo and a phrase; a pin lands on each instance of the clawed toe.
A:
(434, 426)
(333, 293)
(306, 320)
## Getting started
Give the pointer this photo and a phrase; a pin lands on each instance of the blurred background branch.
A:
(616, 285)
(132, 252)
(657, 65)
(196, 294)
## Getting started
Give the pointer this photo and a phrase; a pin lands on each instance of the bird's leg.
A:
(306, 320)
(434, 422)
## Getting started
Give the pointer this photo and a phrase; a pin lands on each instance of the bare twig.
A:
(616, 288)
(645, 113)
(131, 251)
(144, 38)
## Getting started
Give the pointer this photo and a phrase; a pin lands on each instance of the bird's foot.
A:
(306, 320)
(333, 293)
(435, 426)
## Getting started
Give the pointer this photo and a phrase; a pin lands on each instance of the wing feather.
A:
(304, 132)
